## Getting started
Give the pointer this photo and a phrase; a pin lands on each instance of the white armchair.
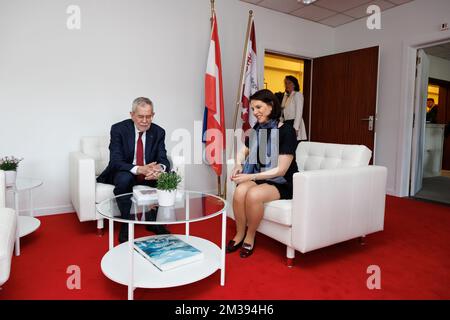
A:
(85, 165)
(8, 229)
(337, 196)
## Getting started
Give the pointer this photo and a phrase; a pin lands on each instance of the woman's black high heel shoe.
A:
(246, 250)
(232, 246)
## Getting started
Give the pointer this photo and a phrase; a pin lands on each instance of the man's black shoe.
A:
(157, 229)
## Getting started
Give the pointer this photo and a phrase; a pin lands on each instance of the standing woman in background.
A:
(292, 107)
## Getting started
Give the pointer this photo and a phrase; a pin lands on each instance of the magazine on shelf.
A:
(145, 195)
(167, 251)
(150, 196)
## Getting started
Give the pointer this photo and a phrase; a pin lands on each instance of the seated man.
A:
(136, 149)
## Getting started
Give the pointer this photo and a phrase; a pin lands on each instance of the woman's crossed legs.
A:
(248, 207)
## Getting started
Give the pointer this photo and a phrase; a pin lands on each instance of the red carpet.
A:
(413, 253)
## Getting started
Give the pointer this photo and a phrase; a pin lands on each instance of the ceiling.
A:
(441, 51)
(332, 13)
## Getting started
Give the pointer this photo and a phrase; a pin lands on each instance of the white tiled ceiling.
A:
(313, 13)
(329, 12)
(441, 51)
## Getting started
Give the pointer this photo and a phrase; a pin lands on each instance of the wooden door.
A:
(344, 95)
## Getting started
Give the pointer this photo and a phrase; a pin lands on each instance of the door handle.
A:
(371, 121)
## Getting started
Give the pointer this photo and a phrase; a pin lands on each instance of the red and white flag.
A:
(214, 118)
(250, 84)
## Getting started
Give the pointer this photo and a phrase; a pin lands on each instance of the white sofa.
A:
(85, 165)
(337, 196)
(8, 229)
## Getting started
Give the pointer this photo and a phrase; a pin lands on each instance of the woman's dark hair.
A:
(294, 81)
(268, 97)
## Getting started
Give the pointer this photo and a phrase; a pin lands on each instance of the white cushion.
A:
(279, 211)
(98, 149)
(316, 156)
(103, 191)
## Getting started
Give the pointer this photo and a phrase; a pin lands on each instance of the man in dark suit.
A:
(137, 149)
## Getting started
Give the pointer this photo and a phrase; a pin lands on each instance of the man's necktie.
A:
(140, 156)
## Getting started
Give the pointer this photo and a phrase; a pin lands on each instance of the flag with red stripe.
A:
(250, 84)
(214, 119)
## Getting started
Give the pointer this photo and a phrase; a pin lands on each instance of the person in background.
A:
(432, 111)
(292, 107)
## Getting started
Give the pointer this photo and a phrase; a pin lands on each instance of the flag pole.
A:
(241, 81)
(219, 182)
(213, 10)
(239, 94)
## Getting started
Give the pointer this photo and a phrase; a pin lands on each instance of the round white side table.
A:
(26, 224)
(122, 265)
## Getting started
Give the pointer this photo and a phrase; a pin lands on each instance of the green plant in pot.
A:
(166, 186)
(9, 165)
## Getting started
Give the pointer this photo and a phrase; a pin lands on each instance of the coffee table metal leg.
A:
(187, 215)
(111, 234)
(16, 206)
(224, 231)
(31, 203)
(131, 247)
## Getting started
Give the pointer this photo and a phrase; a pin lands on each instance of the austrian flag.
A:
(214, 119)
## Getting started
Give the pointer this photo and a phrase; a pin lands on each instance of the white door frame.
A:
(404, 143)
(418, 138)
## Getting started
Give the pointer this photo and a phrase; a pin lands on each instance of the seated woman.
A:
(267, 173)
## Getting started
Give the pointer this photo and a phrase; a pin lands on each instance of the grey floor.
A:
(435, 189)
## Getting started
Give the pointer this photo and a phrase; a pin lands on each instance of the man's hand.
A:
(147, 169)
(155, 171)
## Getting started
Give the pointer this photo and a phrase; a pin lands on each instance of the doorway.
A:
(277, 66)
(430, 163)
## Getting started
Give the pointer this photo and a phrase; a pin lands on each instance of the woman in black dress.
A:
(266, 174)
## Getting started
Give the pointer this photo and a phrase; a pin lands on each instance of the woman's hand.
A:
(236, 170)
(242, 177)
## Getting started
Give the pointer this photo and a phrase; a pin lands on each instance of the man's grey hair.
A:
(141, 101)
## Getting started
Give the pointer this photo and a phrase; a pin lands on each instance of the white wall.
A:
(411, 22)
(439, 68)
(58, 85)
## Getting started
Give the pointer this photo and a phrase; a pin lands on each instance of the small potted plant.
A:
(166, 186)
(9, 165)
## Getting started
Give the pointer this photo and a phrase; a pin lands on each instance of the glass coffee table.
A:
(124, 265)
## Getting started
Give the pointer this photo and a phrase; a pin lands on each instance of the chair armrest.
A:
(331, 206)
(2, 189)
(8, 228)
(82, 185)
